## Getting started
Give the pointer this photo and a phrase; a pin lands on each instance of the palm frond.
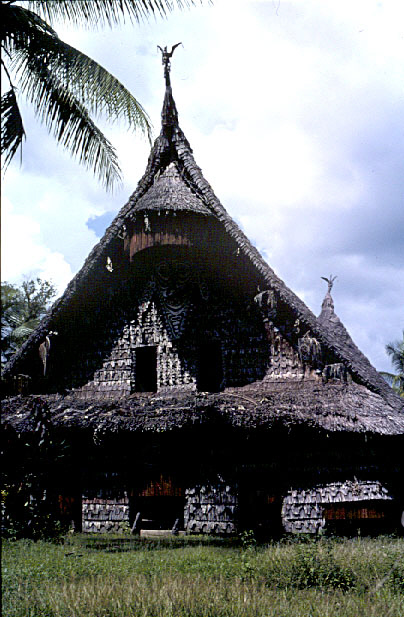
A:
(396, 352)
(15, 319)
(104, 12)
(22, 332)
(68, 120)
(389, 377)
(395, 381)
(88, 81)
(12, 128)
(19, 25)
(55, 74)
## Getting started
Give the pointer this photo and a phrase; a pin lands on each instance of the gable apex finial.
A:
(327, 307)
(330, 281)
(166, 61)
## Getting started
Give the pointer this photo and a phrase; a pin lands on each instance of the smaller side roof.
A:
(343, 343)
(171, 167)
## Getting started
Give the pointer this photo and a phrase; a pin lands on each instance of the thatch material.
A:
(331, 407)
(304, 510)
(339, 492)
(343, 342)
(170, 192)
(173, 181)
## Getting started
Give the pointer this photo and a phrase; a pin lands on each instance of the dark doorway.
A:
(259, 509)
(159, 504)
(146, 369)
(70, 510)
(210, 368)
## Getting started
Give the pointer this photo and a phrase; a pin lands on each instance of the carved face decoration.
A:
(174, 288)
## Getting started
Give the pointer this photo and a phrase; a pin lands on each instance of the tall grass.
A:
(199, 577)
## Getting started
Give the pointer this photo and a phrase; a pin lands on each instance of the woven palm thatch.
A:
(174, 183)
(330, 407)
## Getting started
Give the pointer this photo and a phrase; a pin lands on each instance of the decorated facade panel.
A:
(355, 502)
(182, 331)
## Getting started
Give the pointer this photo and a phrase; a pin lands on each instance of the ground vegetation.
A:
(204, 576)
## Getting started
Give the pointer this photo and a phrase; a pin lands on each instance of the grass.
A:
(112, 576)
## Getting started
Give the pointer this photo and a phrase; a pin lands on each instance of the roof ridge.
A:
(172, 147)
(342, 340)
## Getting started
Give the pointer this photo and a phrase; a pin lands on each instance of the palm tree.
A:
(22, 308)
(396, 352)
(65, 86)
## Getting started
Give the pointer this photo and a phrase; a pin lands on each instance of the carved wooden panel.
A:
(181, 230)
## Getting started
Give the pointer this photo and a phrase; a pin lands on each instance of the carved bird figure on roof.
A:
(166, 60)
(167, 55)
(330, 281)
(44, 349)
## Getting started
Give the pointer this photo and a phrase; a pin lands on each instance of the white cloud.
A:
(294, 112)
(23, 254)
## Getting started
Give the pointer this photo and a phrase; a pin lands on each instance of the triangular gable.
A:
(171, 166)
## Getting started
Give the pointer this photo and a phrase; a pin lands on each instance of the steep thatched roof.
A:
(173, 181)
(169, 191)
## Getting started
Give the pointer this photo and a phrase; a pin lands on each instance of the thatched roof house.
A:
(176, 335)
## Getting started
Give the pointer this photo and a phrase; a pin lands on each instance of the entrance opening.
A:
(260, 508)
(210, 368)
(70, 510)
(146, 369)
(159, 505)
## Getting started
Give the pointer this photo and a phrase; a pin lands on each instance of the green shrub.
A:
(123, 576)
(396, 578)
(318, 568)
(247, 539)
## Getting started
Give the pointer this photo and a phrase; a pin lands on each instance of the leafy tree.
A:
(32, 465)
(396, 352)
(22, 309)
(65, 86)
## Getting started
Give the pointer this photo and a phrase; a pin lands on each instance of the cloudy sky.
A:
(295, 112)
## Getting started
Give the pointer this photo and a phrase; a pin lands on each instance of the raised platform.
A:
(155, 533)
